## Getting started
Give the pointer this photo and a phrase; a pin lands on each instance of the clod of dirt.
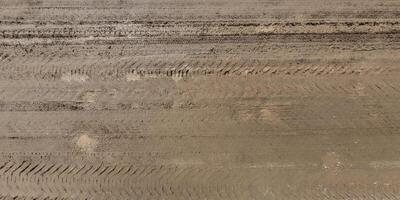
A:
(86, 144)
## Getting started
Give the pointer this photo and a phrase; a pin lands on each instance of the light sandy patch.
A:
(186, 162)
(332, 161)
(385, 164)
(74, 77)
(133, 77)
(86, 144)
(176, 78)
(265, 29)
(267, 115)
(89, 97)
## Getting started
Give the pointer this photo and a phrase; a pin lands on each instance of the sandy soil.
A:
(211, 99)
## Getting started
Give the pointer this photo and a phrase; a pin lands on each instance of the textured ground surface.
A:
(210, 99)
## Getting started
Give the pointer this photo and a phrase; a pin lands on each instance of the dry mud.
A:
(211, 99)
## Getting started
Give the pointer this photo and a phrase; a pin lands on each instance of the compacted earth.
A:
(200, 99)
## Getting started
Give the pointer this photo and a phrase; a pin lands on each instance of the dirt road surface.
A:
(203, 100)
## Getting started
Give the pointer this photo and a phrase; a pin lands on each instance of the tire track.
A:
(189, 182)
(31, 96)
(98, 70)
(139, 10)
(149, 29)
(94, 184)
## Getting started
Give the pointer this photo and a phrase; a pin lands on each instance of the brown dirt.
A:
(211, 99)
